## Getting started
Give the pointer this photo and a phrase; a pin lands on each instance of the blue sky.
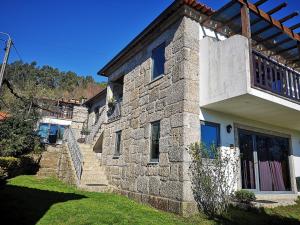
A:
(83, 35)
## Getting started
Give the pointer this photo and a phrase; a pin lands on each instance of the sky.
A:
(83, 35)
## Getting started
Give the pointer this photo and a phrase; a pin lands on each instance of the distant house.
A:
(56, 116)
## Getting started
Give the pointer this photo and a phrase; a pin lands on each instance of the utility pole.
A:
(7, 50)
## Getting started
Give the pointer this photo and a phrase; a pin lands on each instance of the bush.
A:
(244, 196)
(213, 174)
(9, 163)
(8, 166)
(298, 183)
(11, 166)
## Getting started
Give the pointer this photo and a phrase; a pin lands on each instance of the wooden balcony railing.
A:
(59, 113)
(275, 78)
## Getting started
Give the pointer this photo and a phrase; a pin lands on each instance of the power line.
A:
(13, 44)
(23, 99)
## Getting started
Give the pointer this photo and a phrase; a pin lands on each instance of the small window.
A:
(155, 135)
(210, 136)
(158, 61)
(118, 143)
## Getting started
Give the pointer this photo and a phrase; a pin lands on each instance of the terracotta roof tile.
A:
(3, 116)
(199, 6)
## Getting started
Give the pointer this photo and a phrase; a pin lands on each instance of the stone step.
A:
(102, 182)
(95, 188)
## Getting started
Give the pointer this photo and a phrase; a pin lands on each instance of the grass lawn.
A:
(30, 200)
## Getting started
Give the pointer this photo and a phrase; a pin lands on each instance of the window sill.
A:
(157, 78)
(153, 163)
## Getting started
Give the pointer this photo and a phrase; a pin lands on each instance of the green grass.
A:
(30, 200)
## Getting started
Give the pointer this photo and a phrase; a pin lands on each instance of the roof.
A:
(268, 33)
(3, 116)
(202, 8)
(265, 30)
(62, 100)
(92, 99)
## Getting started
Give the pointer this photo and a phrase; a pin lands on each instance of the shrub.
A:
(9, 163)
(244, 196)
(8, 166)
(213, 174)
(11, 166)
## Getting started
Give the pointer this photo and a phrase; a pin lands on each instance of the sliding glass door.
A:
(264, 162)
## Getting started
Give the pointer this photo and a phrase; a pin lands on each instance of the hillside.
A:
(31, 81)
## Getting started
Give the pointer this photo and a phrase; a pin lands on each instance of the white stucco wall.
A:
(228, 139)
(55, 121)
(224, 69)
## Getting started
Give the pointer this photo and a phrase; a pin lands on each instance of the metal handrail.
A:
(97, 126)
(75, 152)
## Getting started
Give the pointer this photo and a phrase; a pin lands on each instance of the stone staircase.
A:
(49, 163)
(93, 177)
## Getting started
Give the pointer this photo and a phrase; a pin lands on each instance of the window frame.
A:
(152, 159)
(163, 45)
(215, 125)
(118, 144)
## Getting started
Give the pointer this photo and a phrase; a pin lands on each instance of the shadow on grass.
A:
(255, 217)
(26, 206)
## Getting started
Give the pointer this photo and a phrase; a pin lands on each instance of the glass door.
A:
(264, 162)
(247, 160)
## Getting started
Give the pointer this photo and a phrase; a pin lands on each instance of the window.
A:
(155, 135)
(158, 61)
(210, 136)
(118, 143)
(97, 114)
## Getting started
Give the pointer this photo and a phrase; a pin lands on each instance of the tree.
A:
(213, 174)
(17, 132)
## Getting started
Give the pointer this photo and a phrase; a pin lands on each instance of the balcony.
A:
(58, 113)
(275, 78)
(251, 86)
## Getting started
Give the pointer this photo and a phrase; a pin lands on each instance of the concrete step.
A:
(275, 200)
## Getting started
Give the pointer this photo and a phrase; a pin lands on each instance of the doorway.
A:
(264, 161)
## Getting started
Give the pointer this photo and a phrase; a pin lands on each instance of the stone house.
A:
(56, 116)
(193, 75)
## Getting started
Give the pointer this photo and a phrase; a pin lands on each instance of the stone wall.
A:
(56, 162)
(66, 171)
(80, 115)
(174, 100)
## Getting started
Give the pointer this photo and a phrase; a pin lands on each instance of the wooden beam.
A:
(281, 42)
(260, 2)
(269, 19)
(263, 29)
(288, 17)
(277, 8)
(245, 19)
(271, 37)
(294, 27)
(298, 43)
(285, 50)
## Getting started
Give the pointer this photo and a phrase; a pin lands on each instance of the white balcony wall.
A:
(225, 85)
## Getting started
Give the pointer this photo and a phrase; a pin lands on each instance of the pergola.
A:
(264, 31)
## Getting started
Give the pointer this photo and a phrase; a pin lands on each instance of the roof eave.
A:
(164, 15)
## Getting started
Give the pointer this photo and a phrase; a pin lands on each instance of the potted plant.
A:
(111, 103)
